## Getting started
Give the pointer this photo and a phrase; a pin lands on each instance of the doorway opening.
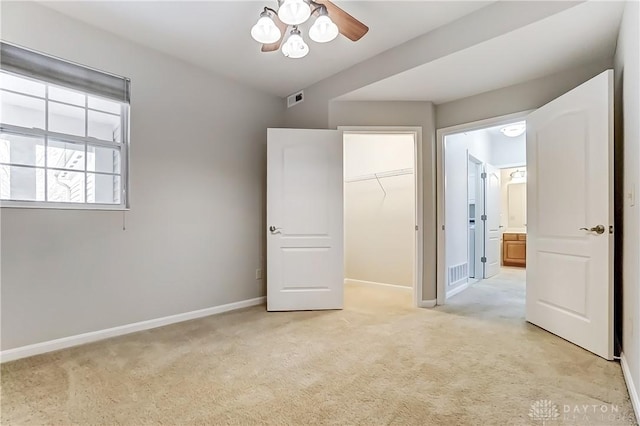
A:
(483, 211)
(380, 217)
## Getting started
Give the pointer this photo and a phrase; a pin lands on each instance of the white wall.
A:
(195, 232)
(507, 151)
(379, 228)
(627, 73)
(368, 153)
(457, 148)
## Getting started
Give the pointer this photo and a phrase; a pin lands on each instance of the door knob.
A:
(597, 229)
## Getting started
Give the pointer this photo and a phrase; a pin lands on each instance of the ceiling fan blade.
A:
(272, 47)
(349, 26)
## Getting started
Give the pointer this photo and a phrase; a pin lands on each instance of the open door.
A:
(569, 213)
(492, 221)
(305, 266)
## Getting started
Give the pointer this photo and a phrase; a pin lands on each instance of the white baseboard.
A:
(80, 339)
(633, 392)
(376, 284)
(427, 303)
(457, 290)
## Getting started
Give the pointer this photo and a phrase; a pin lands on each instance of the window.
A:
(63, 133)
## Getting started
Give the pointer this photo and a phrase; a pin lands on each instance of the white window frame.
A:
(87, 141)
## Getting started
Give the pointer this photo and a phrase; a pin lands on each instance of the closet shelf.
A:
(381, 175)
(378, 176)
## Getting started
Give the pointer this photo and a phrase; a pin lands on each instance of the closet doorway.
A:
(380, 216)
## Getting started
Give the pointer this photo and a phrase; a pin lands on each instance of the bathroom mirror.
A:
(517, 197)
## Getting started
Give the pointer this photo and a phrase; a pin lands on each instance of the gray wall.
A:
(486, 23)
(627, 72)
(520, 97)
(321, 110)
(195, 232)
(414, 114)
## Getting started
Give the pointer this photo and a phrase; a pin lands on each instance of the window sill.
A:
(60, 206)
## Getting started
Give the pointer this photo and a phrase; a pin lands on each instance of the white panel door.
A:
(305, 266)
(569, 210)
(492, 229)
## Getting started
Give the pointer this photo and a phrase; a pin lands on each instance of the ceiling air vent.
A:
(294, 99)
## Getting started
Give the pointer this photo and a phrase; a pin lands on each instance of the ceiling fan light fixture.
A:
(294, 12)
(295, 47)
(265, 30)
(323, 30)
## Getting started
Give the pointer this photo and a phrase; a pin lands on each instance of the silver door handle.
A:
(599, 229)
(275, 230)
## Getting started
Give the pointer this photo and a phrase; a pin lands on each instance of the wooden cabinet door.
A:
(514, 250)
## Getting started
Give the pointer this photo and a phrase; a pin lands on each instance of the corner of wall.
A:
(627, 178)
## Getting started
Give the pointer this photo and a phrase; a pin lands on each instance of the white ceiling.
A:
(215, 34)
(495, 134)
(578, 35)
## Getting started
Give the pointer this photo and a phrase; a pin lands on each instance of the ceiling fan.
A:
(273, 26)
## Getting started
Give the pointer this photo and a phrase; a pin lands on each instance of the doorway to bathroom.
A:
(485, 205)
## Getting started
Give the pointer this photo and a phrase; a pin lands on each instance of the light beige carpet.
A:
(379, 361)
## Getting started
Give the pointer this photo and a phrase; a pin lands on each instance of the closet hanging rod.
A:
(381, 175)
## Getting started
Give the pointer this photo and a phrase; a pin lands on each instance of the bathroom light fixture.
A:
(272, 26)
(518, 176)
(514, 130)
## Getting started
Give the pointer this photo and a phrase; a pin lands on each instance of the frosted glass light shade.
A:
(323, 30)
(265, 30)
(295, 47)
(294, 12)
(514, 130)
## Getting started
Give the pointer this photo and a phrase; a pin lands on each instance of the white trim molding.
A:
(427, 303)
(93, 336)
(376, 284)
(456, 290)
(633, 392)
